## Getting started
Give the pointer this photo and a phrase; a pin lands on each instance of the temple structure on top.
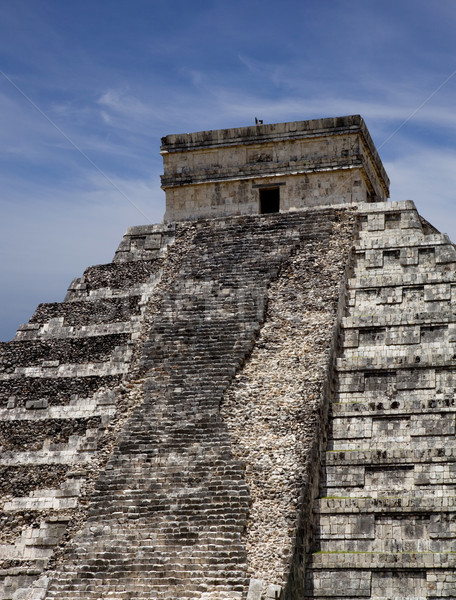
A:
(271, 168)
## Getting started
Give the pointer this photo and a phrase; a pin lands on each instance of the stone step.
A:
(366, 339)
(22, 481)
(42, 392)
(70, 455)
(395, 262)
(101, 407)
(400, 239)
(13, 581)
(391, 479)
(403, 358)
(118, 365)
(44, 500)
(418, 402)
(383, 560)
(405, 505)
(145, 242)
(106, 293)
(117, 276)
(376, 252)
(393, 429)
(432, 354)
(79, 313)
(34, 544)
(370, 313)
(392, 456)
(30, 435)
(405, 488)
(429, 276)
(57, 330)
(385, 385)
(387, 532)
(18, 355)
(382, 584)
(344, 542)
(419, 297)
(360, 318)
(377, 443)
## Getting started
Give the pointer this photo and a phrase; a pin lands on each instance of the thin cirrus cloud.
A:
(126, 105)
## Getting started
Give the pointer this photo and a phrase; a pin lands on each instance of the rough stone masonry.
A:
(254, 400)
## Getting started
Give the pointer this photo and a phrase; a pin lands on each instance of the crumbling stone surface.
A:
(11, 525)
(57, 391)
(30, 435)
(273, 406)
(109, 310)
(14, 355)
(116, 279)
(20, 480)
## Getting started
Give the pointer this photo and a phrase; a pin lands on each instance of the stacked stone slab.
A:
(386, 514)
(63, 386)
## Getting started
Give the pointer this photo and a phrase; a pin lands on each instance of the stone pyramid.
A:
(255, 400)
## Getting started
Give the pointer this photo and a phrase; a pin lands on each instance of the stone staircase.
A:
(386, 516)
(169, 512)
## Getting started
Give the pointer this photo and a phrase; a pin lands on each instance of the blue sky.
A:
(116, 76)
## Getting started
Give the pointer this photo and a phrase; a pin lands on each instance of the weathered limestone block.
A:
(351, 428)
(145, 242)
(340, 584)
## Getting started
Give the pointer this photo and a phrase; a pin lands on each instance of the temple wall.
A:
(219, 173)
(238, 197)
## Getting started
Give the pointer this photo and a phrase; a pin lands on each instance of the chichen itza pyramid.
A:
(255, 400)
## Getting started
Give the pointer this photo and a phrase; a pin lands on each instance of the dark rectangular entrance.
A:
(269, 200)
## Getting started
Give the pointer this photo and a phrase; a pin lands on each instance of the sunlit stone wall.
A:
(310, 163)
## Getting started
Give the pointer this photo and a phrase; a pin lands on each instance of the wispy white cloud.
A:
(125, 104)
